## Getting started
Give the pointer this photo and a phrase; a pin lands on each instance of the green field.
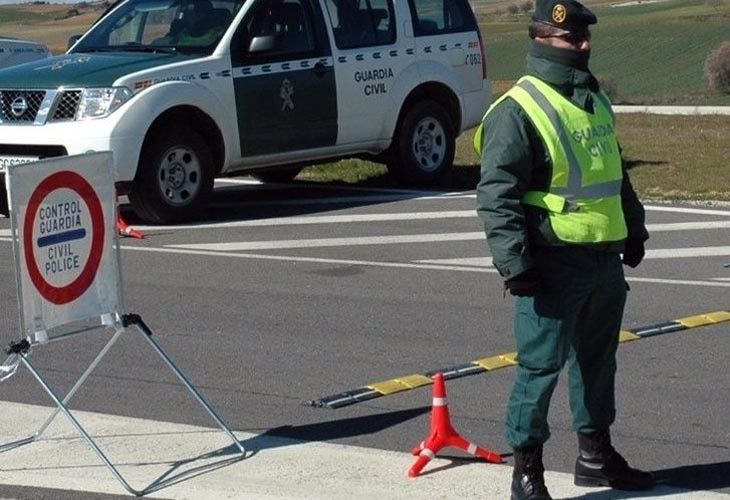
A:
(652, 53)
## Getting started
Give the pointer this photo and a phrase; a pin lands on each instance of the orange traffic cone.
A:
(443, 434)
(125, 229)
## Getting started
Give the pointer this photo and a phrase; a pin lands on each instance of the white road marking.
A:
(315, 260)
(246, 182)
(682, 210)
(687, 226)
(402, 265)
(402, 239)
(319, 219)
(400, 216)
(196, 463)
(333, 187)
(678, 253)
(333, 242)
(676, 282)
(332, 200)
(466, 261)
(656, 253)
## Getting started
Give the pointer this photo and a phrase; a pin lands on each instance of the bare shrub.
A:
(715, 4)
(717, 68)
(513, 9)
(68, 14)
(526, 6)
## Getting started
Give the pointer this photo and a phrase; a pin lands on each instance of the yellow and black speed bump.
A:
(408, 382)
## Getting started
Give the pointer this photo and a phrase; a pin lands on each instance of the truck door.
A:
(284, 79)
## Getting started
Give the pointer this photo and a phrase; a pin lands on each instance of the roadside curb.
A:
(674, 110)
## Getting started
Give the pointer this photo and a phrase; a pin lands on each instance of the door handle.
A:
(320, 69)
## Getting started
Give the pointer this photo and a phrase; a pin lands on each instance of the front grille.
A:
(20, 105)
(23, 107)
(68, 103)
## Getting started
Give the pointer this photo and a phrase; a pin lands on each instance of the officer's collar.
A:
(561, 67)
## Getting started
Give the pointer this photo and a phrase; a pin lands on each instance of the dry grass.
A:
(677, 157)
(43, 23)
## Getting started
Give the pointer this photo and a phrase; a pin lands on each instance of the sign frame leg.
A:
(22, 349)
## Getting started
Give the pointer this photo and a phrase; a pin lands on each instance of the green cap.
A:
(568, 15)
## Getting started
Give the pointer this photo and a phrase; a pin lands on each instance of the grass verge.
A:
(669, 157)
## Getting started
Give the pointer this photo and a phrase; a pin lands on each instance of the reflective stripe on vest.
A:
(584, 198)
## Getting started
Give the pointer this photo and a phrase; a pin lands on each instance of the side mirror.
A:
(261, 44)
(72, 41)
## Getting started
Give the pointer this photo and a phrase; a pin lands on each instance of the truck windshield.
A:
(161, 26)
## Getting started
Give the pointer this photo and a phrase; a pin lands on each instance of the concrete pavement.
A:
(188, 462)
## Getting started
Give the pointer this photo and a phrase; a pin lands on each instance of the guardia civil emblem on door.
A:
(286, 92)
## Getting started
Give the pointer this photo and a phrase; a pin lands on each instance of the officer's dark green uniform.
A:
(558, 211)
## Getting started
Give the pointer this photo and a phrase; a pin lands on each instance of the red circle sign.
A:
(69, 180)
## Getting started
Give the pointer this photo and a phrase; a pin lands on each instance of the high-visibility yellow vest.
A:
(584, 197)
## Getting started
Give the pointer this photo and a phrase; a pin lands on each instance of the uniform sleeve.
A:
(633, 211)
(506, 170)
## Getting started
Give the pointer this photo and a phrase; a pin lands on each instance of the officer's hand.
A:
(526, 284)
(633, 252)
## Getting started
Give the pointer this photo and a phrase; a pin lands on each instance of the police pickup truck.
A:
(183, 91)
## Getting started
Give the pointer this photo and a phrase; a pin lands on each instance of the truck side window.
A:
(434, 17)
(361, 23)
(287, 23)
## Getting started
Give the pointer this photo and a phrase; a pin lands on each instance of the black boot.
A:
(527, 477)
(599, 464)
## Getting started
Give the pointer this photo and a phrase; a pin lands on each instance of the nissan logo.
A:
(19, 106)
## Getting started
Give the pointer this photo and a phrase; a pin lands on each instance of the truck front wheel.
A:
(174, 177)
(4, 209)
(423, 146)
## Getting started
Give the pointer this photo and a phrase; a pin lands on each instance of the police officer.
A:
(559, 210)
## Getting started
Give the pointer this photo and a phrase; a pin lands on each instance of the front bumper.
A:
(72, 138)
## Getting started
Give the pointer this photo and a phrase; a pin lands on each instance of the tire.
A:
(423, 145)
(4, 208)
(277, 175)
(174, 177)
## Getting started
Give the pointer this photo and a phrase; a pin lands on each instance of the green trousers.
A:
(575, 318)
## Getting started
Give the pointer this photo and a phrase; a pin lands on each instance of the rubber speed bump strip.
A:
(406, 383)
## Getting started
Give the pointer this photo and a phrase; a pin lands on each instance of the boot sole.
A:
(591, 482)
(595, 482)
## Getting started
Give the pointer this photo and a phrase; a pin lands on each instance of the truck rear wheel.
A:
(424, 144)
(174, 177)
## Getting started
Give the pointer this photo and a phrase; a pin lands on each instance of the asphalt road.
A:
(289, 293)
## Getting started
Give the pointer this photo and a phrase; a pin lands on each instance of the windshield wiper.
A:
(147, 48)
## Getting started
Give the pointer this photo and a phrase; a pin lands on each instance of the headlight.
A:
(101, 102)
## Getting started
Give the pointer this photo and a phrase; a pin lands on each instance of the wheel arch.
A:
(437, 92)
(197, 120)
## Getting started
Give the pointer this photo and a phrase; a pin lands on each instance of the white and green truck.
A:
(183, 91)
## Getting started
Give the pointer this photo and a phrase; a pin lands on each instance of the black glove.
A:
(525, 284)
(633, 252)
